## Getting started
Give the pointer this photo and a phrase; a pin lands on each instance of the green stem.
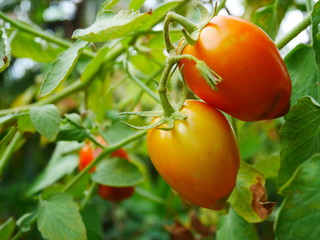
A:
(171, 16)
(25, 28)
(221, 5)
(107, 150)
(88, 195)
(9, 150)
(294, 32)
(143, 86)
(162, 89)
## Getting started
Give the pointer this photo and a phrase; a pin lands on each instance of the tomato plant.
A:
(69, 73)
(256, 84)
(87, 154)
(198, 157)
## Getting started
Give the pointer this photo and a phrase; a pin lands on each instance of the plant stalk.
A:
(294, 32)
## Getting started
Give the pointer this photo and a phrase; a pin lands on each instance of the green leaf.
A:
(6, 229)
(234, 227)
(93, 66)
(117, 172)
(59, 218)
(265, 18)
(25, 45)
(299, 213)
(25, 124)
(72, 129)
(315, 21)
(106, 5)
(61, 68)
(301, 137)
(57, 168)
(24, 223)
(93, 221)
(111, 26)
(5, 50)
(249, 197)
(304, 72)
(136, 4)
(6, 139)
(268, 166)
(46, 120)
(7, 118)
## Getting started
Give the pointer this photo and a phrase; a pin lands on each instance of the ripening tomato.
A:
(256, 84)
(87, 154)
(115, 194)
(198, 157)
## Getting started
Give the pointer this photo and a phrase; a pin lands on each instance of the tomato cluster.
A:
(256, 84)
(199, 156)
(87, 154)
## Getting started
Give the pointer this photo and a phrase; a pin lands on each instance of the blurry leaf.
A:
(25, 221)
(304, 72)
(159, 13)
(234, 227)
(54, 171)
(94, 65)
(59, 218)
(46, 120)
(6, 229)
(62, 67)
(249, 197)
(315, 20)
(299, 213)
(6, 118)
(93, 221)
(99, 98)
(5, 51)
(301, 137)
(25, 45)
(106, 5)
(268, 166)
(136, 4)
(148, 195)
(72, 129)
(6, 139)
(118, 131)
(25, 124)
(110, 26)
(179, 232)
(117, 172)
(266, 19)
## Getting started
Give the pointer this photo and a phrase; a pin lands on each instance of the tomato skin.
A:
(199, 157)
(256, 84)
(87, 154)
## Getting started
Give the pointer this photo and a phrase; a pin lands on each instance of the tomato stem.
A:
(162, 89)
(185, 23)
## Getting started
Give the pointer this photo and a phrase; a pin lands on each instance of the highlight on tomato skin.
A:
(256, 84)
(199, 157)
(87, 154)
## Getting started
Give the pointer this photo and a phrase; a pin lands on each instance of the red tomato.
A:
(199, 157)
(115, 194)
(256, 84)
(88, 154)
